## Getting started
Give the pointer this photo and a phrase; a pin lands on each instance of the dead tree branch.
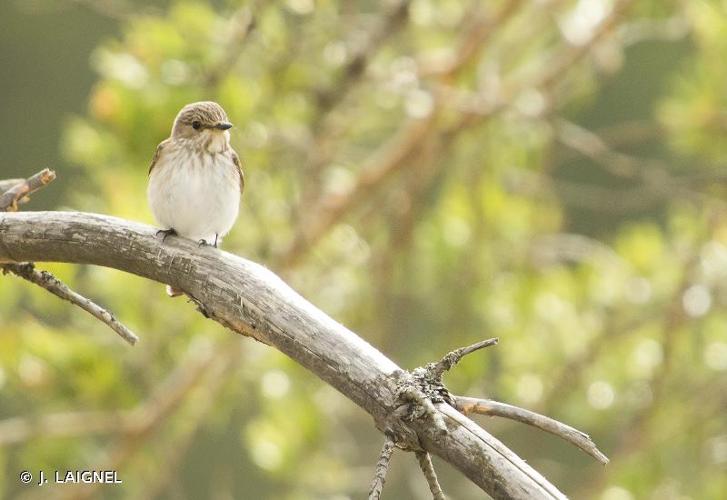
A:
(251, 300)
(20, 192)
(454, 357)
(382, 467)
(496, 409)
(425, 464)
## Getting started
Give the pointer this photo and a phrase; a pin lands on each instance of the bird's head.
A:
(204, 125)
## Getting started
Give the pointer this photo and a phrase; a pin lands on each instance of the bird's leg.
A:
(204, 243)
(166, 232)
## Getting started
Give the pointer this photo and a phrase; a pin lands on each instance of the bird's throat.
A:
(217, 142)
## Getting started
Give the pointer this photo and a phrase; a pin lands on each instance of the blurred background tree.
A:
(429, 173)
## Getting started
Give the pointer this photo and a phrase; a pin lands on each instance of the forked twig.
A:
(46, 280)
(492, 408)
(9, 199)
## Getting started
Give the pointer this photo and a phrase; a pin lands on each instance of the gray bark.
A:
(251, 300)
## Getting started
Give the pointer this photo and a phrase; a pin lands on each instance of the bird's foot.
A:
(166, 232)
(204, 243)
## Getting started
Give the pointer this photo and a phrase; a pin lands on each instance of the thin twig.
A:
(452, 358)
(9, 199)
(382, 467)
(425, 464)
(56, 287)
(496, 409)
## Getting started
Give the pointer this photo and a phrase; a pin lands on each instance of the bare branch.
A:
(472, 43)
(556, 68)
(46, 280)
(452, 358)
(392, 22)
(425, 464)
(382, 467)
(249, 299)
(18, 429)
(496, 409)
(9, 199)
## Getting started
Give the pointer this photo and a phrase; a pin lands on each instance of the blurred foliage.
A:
(559, 187)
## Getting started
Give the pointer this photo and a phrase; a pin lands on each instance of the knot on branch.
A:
(24, 269)
(417, 391)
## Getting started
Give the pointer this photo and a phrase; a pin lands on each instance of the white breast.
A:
(198, 195)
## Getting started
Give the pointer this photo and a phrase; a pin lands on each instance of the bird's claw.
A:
(166, 232)
(203, 243)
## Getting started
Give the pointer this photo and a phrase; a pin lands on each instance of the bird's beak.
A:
(223, 126)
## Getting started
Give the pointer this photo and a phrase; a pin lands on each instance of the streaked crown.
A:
(206, 112)
(200, 115)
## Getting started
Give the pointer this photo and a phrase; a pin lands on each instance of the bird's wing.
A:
(236, 161)
(158, 153)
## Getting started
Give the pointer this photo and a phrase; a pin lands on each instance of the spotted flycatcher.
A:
(195, 178)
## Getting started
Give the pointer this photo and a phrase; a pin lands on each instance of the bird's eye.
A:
(196, 124)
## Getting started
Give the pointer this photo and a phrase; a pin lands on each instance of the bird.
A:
(195, 178)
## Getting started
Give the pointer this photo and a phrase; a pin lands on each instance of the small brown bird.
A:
(195, 178)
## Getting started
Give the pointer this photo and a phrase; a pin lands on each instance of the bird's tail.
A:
(174, 292)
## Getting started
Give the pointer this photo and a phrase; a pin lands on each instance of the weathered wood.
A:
(10, 198)
(492, 408)
(251, 300)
